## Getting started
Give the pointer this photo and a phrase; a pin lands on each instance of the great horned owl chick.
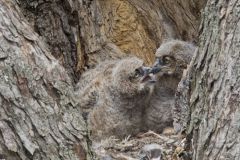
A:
(113, 97)
(172, 58)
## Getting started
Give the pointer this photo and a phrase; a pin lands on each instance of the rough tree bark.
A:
(39, 117)
(81, 33)
(42, 53)
(215, 86)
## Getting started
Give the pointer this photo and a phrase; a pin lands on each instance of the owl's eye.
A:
(167, 60)
(138, 72)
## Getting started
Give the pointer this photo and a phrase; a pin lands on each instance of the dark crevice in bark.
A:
(53, 21)
(81, 52)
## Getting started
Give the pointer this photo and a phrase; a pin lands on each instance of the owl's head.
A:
(172, 58)
(129, 77)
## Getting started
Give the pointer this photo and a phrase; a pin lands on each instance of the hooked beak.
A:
(147, 75)
(157, 66)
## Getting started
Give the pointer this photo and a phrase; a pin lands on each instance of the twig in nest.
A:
(151, 133)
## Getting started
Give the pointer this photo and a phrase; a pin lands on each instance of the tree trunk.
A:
(39, 117)
(44, 45)
(215, 87)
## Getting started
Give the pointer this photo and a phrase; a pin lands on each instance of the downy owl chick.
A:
(115, 97)
(172, 58)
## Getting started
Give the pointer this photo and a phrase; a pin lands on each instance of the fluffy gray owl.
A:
(113, 97)
(172, 58)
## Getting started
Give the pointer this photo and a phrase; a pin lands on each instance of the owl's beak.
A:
(150, 72)
(157, 66)
(147, 76)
